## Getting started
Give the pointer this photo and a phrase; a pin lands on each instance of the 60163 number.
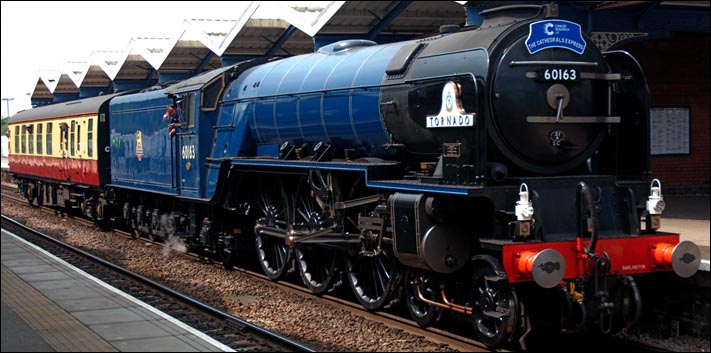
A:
(560, 74)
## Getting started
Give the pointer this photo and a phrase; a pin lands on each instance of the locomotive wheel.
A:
(317, 263)
(274, 256)
(317, 266)
(495, 307)
(370, 269)
(424, 314)
(372, 278)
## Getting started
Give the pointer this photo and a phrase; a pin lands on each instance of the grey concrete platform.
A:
(49, 305)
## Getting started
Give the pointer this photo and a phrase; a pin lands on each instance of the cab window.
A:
(189, 110)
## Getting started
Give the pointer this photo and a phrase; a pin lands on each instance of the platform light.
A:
(8, 105)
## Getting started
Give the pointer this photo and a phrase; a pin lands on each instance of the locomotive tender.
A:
(478, 172)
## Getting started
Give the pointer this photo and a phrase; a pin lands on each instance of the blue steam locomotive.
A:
(454, 173)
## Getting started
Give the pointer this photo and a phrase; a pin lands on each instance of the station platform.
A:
(689, 216)
(49, 305)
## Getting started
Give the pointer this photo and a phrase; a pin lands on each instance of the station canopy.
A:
(263, 29)
(268, 29)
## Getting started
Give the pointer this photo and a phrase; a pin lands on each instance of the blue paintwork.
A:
(170, 165)
(311, 99)
(142, 112)
(330, 96)
(307, 99)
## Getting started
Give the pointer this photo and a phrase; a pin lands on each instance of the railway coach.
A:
(60, 154)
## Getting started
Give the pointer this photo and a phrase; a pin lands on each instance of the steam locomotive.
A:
(472, 172)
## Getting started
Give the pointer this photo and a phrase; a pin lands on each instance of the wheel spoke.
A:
(424, 314)
(272, 252)
(495, 311)
(317, 264)
(371, 279)
(381, 281)
(317, 267)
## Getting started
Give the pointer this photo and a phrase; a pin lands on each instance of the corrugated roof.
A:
(198, 44)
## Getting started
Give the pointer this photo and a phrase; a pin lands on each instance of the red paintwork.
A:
(628, 255)
(80, 171)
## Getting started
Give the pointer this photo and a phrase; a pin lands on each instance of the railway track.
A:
(234, 332)
(456, 342)
(437, 335)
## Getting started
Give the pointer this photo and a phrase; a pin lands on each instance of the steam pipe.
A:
(637, 301)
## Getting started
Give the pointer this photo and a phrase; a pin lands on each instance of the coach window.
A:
(63, 137)
(72, 137)
(16, 137)
(39, 138)
(90, 138)
(23, 143)
(30, 139)
(48, 139)
(78, 138)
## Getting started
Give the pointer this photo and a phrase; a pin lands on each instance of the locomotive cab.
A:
(157, 152)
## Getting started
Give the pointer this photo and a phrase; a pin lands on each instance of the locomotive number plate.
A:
(557, 74)
(452, 150)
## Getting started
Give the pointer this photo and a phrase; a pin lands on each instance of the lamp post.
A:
(8, 105)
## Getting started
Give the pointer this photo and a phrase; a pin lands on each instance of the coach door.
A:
(187, 168)
(64, 148)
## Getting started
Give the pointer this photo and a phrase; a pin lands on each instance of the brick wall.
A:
(677, 71)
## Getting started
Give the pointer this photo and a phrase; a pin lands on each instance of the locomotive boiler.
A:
(478, 171)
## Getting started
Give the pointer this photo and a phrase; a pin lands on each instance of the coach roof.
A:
(75, 107)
